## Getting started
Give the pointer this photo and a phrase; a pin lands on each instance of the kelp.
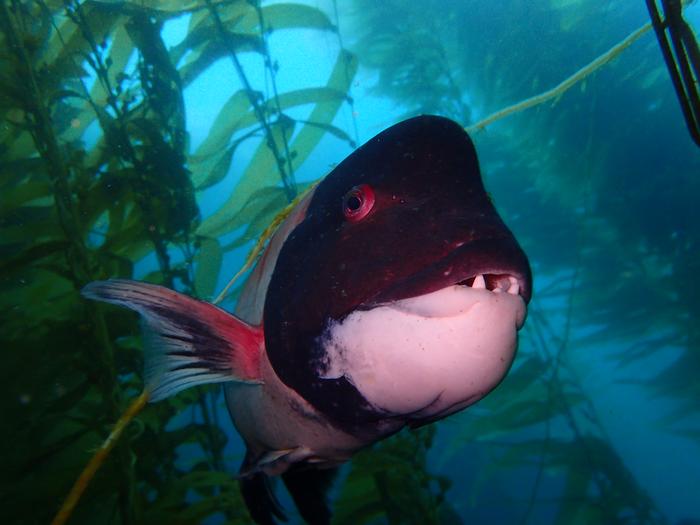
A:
(98, 176)
(393, 482)
(566, 84)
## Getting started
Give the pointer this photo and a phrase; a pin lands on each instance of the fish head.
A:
(400, 293)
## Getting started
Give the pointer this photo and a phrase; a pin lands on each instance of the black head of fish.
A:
(404, 215)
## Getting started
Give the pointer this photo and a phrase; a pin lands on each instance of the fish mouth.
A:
(424, 357)
(496, 283)
(496, 265)
(458, 299)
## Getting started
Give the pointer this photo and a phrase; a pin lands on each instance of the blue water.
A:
(600, 185)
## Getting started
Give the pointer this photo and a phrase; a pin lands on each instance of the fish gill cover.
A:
(101, 176)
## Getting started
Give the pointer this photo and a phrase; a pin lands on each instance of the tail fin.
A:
(187, 342)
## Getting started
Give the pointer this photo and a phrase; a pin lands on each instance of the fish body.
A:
(391, 296)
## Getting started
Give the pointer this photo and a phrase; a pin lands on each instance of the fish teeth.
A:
(514, 287)
(479, 282)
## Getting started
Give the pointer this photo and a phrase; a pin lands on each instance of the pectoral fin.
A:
(187, 342)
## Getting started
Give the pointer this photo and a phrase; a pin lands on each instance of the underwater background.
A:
(157, 140)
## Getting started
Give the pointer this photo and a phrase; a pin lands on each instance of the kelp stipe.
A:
(100, 456)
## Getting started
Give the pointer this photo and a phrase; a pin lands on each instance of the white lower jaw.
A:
(426, 354)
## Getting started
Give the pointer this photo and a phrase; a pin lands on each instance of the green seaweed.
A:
(74, 210)
(392, 482)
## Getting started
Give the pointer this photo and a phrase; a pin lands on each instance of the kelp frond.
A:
(96, 177)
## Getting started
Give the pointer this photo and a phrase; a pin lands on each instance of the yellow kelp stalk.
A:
(98, 458)
(563, 86)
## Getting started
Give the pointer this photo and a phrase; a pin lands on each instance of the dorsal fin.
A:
(186, 342)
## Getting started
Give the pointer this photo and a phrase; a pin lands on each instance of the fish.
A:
(391, 296)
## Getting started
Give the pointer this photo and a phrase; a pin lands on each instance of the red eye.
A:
(358, 202)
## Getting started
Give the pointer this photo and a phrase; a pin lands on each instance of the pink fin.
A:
(187, 342)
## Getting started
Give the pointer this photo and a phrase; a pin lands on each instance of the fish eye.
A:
(358, 202)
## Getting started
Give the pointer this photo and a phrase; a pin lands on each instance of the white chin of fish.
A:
(427, 356)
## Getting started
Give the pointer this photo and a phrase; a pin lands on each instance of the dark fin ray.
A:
(308, 487)
(259, 497)
(186, 342)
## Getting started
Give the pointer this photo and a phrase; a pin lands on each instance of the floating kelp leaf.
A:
(210, 170)
(211, 162)
(589, 466)
(207, 172)
(300, 97)
(69, 43)
(62, 94)
(169, 7)
(286, 16)
(266, 212)
(114, 265)
(516, 416)
(324, 112)
(69, 399)
(256, 205)
(171, 501)
(33, 254)
(23, 195)
(12, 95)
(199, 60)
(131, 241)
(392, 479)
(693, 434)
(260, 213)
(207, 267)
(201, 27)
(29, 213)
(227, 122)
(107, 199)
(237, 114)
(67, 40)
(261, 171)
(333, 130)
(20, 145)
(30, 224)
(241, 20)
(225, 500)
